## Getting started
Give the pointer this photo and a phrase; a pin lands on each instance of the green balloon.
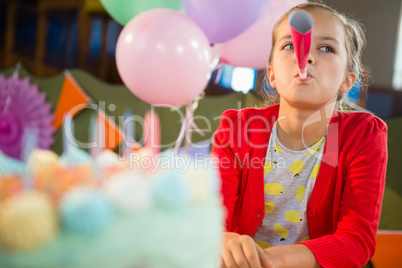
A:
(124, 10)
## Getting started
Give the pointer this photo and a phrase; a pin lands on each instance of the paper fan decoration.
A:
(22, 106)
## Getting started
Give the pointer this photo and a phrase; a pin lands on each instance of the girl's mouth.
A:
(308, 78)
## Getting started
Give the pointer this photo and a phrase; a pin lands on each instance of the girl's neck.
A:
(299, 129)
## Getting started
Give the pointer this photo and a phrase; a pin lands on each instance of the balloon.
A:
(163, 57)
(124, 10)
(253, 47)
(221, 20)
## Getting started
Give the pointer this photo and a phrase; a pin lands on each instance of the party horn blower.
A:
(301, 24)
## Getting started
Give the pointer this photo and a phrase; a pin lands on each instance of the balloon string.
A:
(181, 135)
(189, 115)
(194, 106)
(196, 128)
(216, 61)
(187, 126)
(218, 73)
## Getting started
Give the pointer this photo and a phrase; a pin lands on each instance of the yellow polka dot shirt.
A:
(289, 178)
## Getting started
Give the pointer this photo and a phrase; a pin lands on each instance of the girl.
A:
(302, 182)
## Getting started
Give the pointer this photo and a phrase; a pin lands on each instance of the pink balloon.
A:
(163, 57)
(253, 47)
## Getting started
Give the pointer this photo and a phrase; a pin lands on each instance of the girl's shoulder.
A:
(364, 122)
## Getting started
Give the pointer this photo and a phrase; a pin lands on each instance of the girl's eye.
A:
(288, 46)
(327, 49)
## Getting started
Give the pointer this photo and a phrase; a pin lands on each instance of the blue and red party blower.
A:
(301, 24)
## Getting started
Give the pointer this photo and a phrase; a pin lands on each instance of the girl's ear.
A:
(271, 76)
(348, 83)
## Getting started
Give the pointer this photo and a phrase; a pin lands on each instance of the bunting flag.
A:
(113, 135)
(72, 100)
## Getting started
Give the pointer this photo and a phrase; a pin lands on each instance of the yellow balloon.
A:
(269, 207)
(296, 167)
(300, 192)
(273, 188)
(280, 230)
(293, 216)
(314, 172)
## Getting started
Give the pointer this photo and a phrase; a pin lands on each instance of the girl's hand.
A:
(240, 251)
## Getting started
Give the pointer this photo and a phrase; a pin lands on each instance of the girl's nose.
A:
(310, 59)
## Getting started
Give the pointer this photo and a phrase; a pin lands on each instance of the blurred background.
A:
(48, 36)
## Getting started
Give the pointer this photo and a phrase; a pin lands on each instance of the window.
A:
(397, 79)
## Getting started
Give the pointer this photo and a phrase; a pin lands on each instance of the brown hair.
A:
(355, 42)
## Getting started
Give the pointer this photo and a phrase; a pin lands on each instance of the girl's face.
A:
(327, 65)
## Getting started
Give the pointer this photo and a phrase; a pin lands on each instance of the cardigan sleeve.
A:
(225, 149)
(353, 242)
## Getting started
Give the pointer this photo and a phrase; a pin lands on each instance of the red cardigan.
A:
(344, 208)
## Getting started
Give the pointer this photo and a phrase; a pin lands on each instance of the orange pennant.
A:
(113, 135)
(72, 100)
